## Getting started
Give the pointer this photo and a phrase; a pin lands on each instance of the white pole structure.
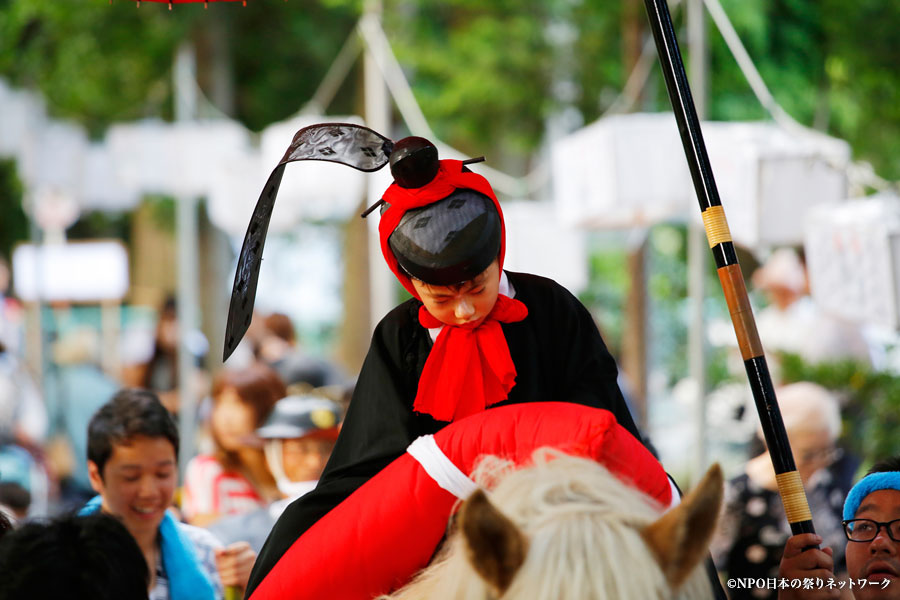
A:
(378, 117)
(697, 245)
(186, 232)
(35, 350)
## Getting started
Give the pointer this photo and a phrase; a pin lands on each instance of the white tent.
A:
(537, 242)
(630, 170)
(182, 158)
(853, 259)
(218, 159)
(23, 112)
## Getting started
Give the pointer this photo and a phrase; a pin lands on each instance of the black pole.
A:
(789, 485)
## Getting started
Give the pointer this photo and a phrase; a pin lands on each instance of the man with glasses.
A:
(872, 526)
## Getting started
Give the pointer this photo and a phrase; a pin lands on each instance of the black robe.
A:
(559, 356)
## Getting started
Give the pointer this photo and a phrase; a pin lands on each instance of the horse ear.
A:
(495, 547)
(680, 538)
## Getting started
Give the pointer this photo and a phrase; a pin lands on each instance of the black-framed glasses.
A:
(866, 530)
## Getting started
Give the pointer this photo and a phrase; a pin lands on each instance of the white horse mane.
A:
(583, 529)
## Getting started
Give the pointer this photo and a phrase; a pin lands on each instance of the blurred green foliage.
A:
(669, 304)
(98, 63)
(93, 62)
(830, 64)
(280, 51)
(162, 211)
(487, 75)
(97, 224)
(871, 402)
(606, 293)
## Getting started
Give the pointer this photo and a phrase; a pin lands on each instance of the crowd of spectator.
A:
(105, 446)
(89, 480)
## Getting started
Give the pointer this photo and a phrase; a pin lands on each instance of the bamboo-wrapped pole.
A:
(793, 496)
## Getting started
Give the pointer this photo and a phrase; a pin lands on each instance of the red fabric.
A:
(469, 368)
(209, 488)
(388, 529)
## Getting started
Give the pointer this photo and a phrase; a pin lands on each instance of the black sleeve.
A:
(590, 371)
(378, 428)
(380, 423)
(597, 372)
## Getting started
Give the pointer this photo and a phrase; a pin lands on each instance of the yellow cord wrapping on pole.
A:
(793, 496)
(233, 593)
(716, 226)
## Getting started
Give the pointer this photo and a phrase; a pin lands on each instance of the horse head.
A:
(567, 528)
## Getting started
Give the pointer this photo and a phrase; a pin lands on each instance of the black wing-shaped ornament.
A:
(352, 145)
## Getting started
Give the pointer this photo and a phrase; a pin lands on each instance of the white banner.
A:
(73, 272)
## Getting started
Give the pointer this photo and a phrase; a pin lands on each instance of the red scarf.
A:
(469, 368)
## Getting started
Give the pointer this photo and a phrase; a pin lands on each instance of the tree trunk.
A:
(634, 336)
(354, 335)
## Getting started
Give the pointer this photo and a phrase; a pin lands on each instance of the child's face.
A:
(468, 302)
(232, 419)
(138, 482)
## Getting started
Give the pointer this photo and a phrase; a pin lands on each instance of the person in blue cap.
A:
(872, 526)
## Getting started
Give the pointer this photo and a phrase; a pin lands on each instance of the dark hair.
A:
(131, 412)
(83, 558)
(161, 355)
(886, 466)
(13, 495)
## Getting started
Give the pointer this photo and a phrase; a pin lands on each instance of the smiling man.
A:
(872, 527)
(133, 466)
(872, 523)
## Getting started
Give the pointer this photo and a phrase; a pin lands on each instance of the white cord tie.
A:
(440, 468)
